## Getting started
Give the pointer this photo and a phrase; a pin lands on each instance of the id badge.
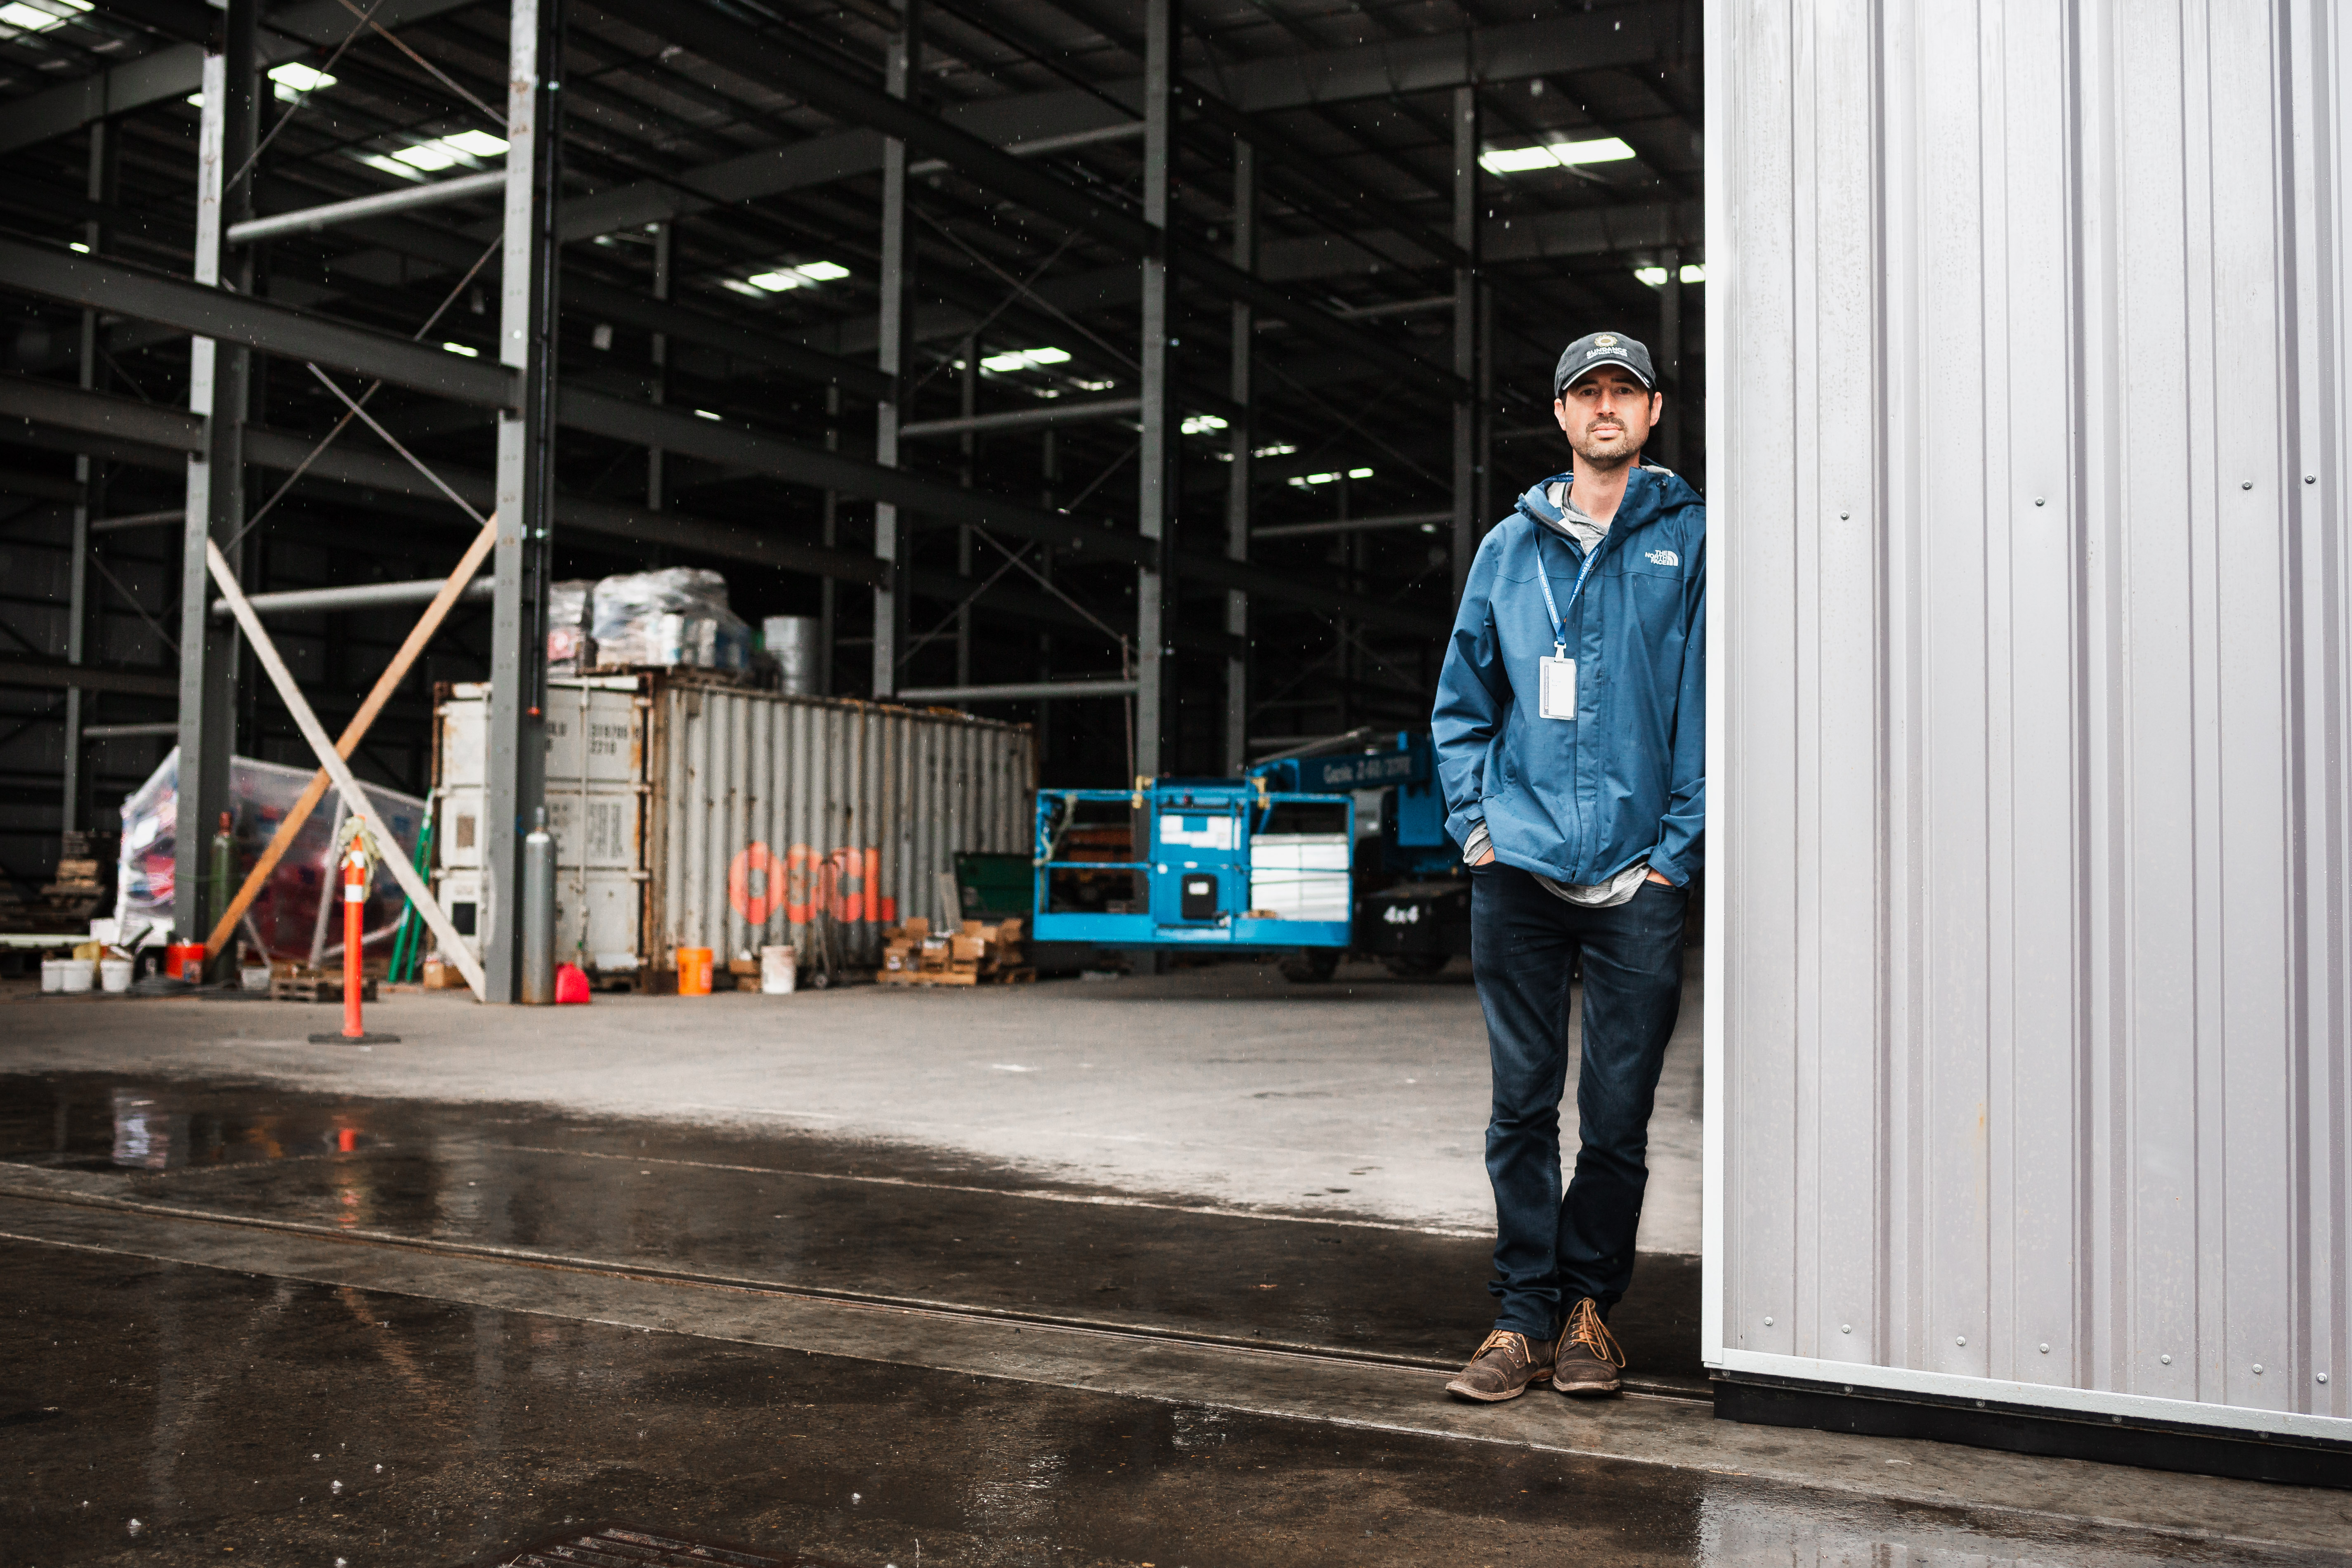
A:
(1556, 689)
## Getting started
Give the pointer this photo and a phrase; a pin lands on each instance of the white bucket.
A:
(52, 974)
(114, 973)
(779, 970)
(254, 977)
(76, 975)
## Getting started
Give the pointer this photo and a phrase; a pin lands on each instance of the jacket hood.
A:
(1537, 504)
(1668, 491)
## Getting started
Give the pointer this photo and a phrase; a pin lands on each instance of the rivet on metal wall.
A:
(2165, 1359)
(2045, 1349)
(2323, 1376)
(2246, 484)
(2041, 500)
(1845, 1328)
(2310, 479)
(1961, 1340)
(2258, 1368)
(1846, 514)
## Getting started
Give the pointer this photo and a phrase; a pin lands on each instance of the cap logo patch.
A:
(1605, 341)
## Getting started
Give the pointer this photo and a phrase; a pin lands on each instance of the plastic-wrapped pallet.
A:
(569, 648)
(286, 919)
(677, 615)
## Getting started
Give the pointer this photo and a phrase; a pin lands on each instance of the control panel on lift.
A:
(1230, 863)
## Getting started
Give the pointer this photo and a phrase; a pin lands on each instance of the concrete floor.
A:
(1228, 1087)
(1167, 1271)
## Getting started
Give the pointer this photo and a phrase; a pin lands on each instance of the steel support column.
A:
(1667, 438)
(218, 379)
(654, 484)
(1467, 412)
(968, 408)
(1156, 487)
(90, 481)
(1240, 437)
(828, 590)
(515, 785)
(902, 72)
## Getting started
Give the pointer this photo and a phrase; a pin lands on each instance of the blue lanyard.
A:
(1558, 625)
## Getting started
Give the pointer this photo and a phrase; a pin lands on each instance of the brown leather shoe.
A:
(1587, 1361)
(1503, 1368)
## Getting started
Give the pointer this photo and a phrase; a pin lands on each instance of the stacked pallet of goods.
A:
(980, 952)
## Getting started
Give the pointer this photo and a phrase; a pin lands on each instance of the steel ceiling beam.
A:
(57, 675)
(206, 312)
(178, 70)
(126, 428)
(1510, 52)
(825, 87)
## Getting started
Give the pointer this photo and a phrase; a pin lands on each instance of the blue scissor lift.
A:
(1229, 864)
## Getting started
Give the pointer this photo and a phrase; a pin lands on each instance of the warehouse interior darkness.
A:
(1421, 203)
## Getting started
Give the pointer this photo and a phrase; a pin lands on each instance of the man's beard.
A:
(1608, 451)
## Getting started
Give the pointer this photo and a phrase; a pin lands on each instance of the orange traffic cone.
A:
(355, 891)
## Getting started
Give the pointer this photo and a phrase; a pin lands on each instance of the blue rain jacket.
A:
(1627, 779)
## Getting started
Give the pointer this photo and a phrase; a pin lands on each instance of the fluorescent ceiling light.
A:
(742, 287)
(1202, 423)
(28, 18)
(1097, 386)
(786, 278)
(468, 352)
(467, 147)
(1517, 159)
(475, 144)
(1655, 277)
(704, 414)
(1303, 480)
(1024, 359)
(1554, 155)
(75, 245)
(1279, 450)
(295, 78)
(426, 155)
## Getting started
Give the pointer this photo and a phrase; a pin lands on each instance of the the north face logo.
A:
(1664, 558)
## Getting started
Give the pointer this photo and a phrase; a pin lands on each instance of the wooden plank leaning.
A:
(353, 733)
(453, 946)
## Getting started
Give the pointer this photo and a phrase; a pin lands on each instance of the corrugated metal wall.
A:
(765, 806)
(2031, 956)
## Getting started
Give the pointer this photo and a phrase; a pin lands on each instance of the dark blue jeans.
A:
(1548, 1252)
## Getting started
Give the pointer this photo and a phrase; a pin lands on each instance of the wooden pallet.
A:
(306, 988)
(1023, 975)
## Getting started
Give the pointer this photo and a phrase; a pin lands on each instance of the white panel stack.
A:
(1300, 875)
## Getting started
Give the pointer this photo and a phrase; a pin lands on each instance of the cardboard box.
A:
(968, 947)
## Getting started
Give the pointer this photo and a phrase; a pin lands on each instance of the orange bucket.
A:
(179, 956)
(694, 966)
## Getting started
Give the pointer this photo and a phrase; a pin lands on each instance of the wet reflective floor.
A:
(153, 1408)
(802, 1211)
(180, 1415)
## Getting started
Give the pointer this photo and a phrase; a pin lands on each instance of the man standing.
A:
(1570, 725)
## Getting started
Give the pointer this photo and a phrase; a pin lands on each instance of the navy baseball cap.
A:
(1594, 349)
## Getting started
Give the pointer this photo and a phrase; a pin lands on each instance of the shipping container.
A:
(2028, 954)
(691, 813)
